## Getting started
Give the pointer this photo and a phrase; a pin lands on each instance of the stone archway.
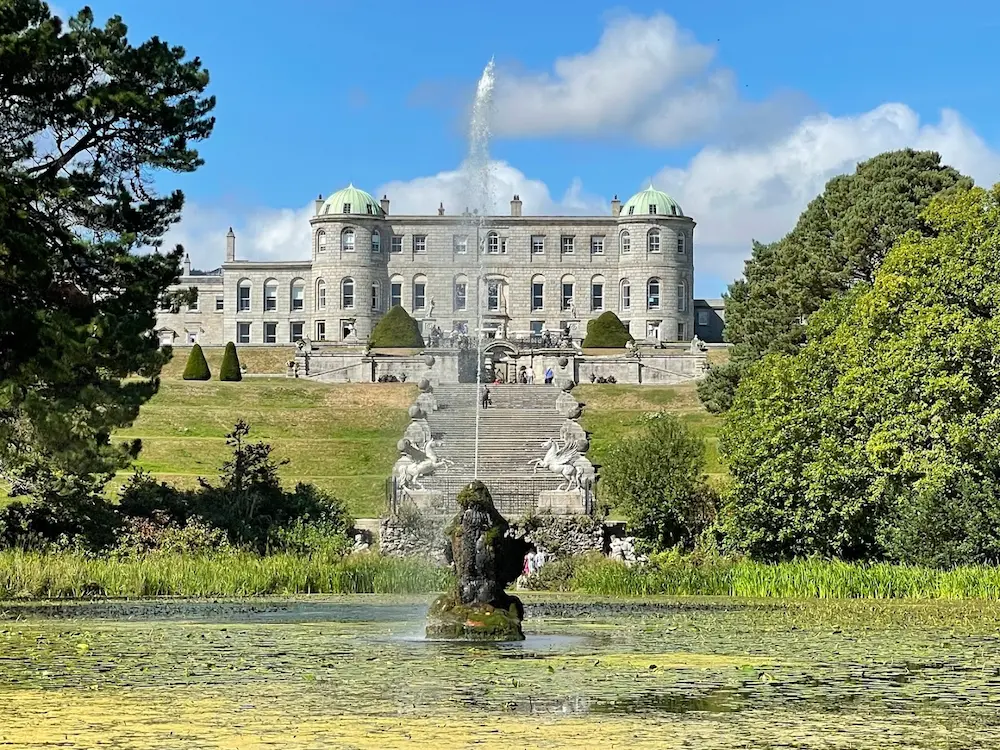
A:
(501, 358)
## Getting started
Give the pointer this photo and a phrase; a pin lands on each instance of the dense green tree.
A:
(86, 121)
(397, 330)
(656, 480)
(196, 367)
(230, 368)
(607, 331)
(880, 437)
(839, 240)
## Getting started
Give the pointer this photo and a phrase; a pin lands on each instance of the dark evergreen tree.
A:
(85, 121)
(607, 332)
(230, 368)
(397, 330)
(197, 366)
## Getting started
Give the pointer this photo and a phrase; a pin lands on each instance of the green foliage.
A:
(85, 523)
(840, 239)
(90, 120)
(718, 388)
(607, 332)
(879, 438)
(230, 370)
(655, 478)
(396, 330)
(197, 366)
(157, 534)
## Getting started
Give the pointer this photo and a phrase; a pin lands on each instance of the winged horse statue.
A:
(424, 461)
(560, 457)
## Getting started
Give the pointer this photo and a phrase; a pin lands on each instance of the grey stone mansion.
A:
(524, 274)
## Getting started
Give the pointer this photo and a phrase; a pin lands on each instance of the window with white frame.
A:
(652, 208)
(625, 294)
(461, 294)
(492, 243)
(681, 297)
(321, 330)
(193, 304)
(492, 295)
(243, 296)
(567, 295)
(537, 244)
(242, 333)
(376, 295)
(220, 302)
(298, 295)
(376, 241)
(460, 244)
(296, 330)
(681, 332)
(270, 333)
(419, 293)
(395, 293)
(420, 243)
(566, 243)
(702, 318)
(653, 294)
(597, 244)
(653, 329)
(192, 337)
(597, 294)
(347, 208)
(537, 327)
(347, 294)
(538, 293)
(680, 243)
(503, 245)
(321, 241)
(321, 295)
(653, 241)
(347, 240)
(625, 240)
(396, 243)
(270, 295)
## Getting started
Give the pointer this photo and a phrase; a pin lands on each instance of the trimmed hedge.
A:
(230, 368)
(197, 366)
(397, 329)
(607, 332)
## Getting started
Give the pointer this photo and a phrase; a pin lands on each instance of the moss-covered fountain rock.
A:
(487, 559)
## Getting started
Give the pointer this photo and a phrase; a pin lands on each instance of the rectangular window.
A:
(419, 296)
(220, 303)
(193, 304)
(270, 333)
(653, 330)
(597, 296)
(396, 243)
(347, 208)
(192, 337)
(296, 332)
(243, 299)
(242, 333)
(460, 244)
(347, 291)
(461, 295)
(567, 245)
(503, 244)
(681, 298)
(492, 243)
(395, 295)
(567, 296)
(652, 208)
(538, 296)
(376, 297)
(270, 298)
(321, 297)
(653, 241)
(597, 244)
(680, 243)
(537, 244)
(419, 243)
(680, 332)
(321, 330)
(347, 329)
(298, 298)
(537, 326)
(626, 296)
(703, 317)
(653, 301)
(493, 295)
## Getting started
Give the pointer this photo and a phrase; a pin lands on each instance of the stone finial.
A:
(187, 264)
(441, 209)
(429, 360)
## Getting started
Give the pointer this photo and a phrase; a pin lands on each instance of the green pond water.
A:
(353, 672)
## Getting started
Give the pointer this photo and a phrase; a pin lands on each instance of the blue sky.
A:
(741, 110)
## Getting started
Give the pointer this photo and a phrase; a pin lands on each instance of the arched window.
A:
(567, 293)
(347, 240)
(243, 295)
(395, 291)
(682, 296)
(460, 296)
(538, 292)
(321, 241)
(298, 295)
(625, 294)
(376, 295)
(321, 295)
(376, 241)
(347, 294)
(492, 242)
(653, 294)
(597, 293)
(419, 292)
(653, 241)
(270, 295)
(625, 241)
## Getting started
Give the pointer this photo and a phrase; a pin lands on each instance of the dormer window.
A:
(347, 208)
(631, 210)
(370, 209)
(652, 208)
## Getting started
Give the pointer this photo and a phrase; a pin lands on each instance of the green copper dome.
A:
(352, 202)
(651, 202)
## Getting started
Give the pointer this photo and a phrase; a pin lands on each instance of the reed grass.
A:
(793, 580)
(66, 575)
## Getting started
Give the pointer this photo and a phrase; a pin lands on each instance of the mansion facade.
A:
(522, 274)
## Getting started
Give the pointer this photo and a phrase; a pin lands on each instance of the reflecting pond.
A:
(352, 672)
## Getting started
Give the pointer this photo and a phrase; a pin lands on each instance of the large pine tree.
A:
(86, 120)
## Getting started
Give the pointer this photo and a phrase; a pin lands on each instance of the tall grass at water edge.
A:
(793, 580)
(66, 575)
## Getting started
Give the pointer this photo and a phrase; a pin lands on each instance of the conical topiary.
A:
(230, 369)
(397, 330)
(197, 366)
(607, 332)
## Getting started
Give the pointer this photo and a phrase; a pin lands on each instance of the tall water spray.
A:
(478, 189)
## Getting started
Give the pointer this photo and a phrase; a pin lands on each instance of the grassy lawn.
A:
(259, 360)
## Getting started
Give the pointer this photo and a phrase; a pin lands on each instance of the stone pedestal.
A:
(562, 502)
(425, 500)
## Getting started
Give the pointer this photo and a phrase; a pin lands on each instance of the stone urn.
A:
(487, 559)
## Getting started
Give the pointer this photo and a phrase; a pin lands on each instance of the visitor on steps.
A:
(549, 375)
(531, 376)
(486, 397)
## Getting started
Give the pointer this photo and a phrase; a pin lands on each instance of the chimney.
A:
(441, 210)
(187, 264)
(385, 204)
(230, 246)
(319, 204)
(616, 206)
(515, 206)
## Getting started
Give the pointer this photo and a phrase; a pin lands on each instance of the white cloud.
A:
(646, 78)
(740, 194)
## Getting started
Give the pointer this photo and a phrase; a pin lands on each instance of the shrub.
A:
(87, 523)
(655, 478)
(230, 370)
(397, 329)
(197, 366)
(607, 332)
(159, 534)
